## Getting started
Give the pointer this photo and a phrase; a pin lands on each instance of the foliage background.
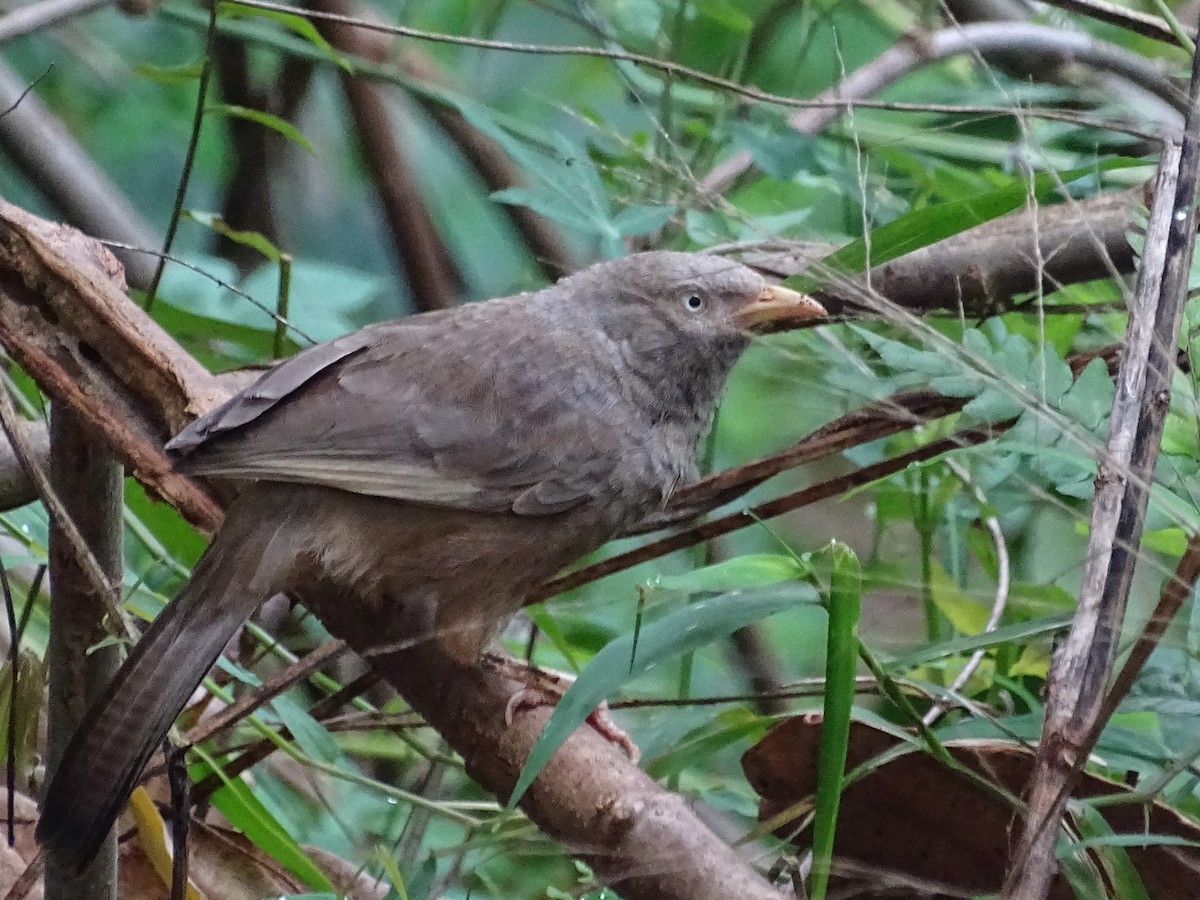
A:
(613, 155)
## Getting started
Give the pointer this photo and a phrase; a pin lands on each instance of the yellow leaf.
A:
(152, 832)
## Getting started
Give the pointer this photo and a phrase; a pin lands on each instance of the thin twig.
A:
(876, 420)
(1015, 36)
(1174, 594)
(919, 51)
(999, 601)
(23, 886)
(189, 159)
(10, 736)
(263, 748)
(754, 515)
(1138, 22)
(272, 687)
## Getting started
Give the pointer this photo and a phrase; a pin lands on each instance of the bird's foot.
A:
(545, 687)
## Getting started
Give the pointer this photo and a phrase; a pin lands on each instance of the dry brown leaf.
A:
(916, 819)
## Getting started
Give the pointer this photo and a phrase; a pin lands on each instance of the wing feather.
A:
(392, 411)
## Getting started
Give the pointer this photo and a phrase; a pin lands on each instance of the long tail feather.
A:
(122, 729)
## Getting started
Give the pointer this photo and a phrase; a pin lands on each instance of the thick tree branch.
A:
(89, 481)
(980, 270)
(94, 351)
(643, 840)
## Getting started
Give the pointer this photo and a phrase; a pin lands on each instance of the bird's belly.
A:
(448, 575)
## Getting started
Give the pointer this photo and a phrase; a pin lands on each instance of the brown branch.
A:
(264, 692)
(88, 347)
(644, 840)
(483, 154)
(247, 204)
(1029, 37)
(876, 420)
(1174, 594)
(768, 510)
(39, 144)
(59, 514)
(1081, 667)
(980, 270)
(492, 165)
(879, 419)
(432, 276)
(16, 487)
(89, 481)
(264, 747)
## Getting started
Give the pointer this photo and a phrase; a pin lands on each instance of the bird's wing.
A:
(453, 410)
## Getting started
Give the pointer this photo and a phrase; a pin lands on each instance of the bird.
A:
(435, 467)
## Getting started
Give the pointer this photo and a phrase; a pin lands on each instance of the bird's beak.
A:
(776, 305)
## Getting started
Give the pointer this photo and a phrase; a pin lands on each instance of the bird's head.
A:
(679, 321)
(695, 295)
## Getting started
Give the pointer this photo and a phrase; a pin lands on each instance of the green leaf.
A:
(993, 405)
(395, 878)
(252, 239)
(966, 615)
(841, 662)
(779, 150)
(326, 300)
(1021, 631)
(635, 221)
(566, 187)
(738, 573)
(942, 220)
(680, 632)
(698, 747)
(181, 74)
(1098, 835)
(266, 119)
(1172, 541)
(303, 28)
(1089, 400)
(239, 805)
(899, 355)
(311, 735)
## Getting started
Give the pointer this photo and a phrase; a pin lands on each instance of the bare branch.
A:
(42, 147)
(643, 840)
(980, 270)
(35, 16)
(1081, 668)
(88, 347)
(89, 481)
(432, 276)
(1123, 17)
(918, 51)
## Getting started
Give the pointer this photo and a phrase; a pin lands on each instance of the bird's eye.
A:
(693, 303)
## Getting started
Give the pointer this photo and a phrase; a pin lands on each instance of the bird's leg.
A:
(545, 687)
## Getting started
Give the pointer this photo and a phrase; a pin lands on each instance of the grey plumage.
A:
(436, 468)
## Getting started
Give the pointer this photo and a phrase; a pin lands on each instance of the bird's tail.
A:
(121, 730)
